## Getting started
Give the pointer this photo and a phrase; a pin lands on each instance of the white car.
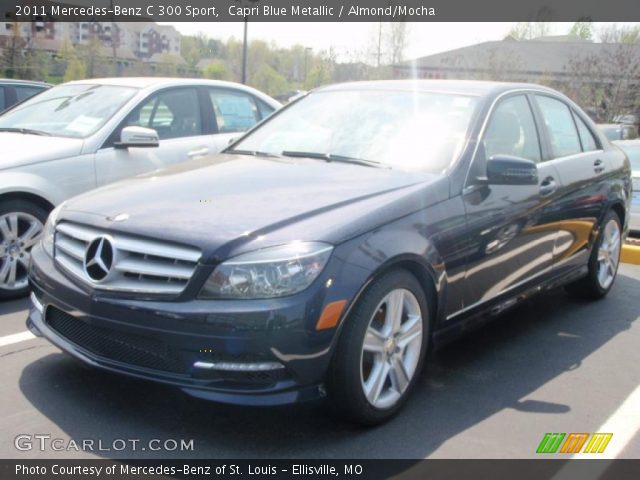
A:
(82, 135)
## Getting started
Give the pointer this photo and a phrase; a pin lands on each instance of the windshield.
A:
(68, 110)
(400, 129)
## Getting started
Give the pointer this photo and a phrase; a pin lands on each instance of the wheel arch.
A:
(619, 210)
(29, 197)
(432, 284)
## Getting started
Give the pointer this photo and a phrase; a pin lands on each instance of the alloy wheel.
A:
(19, 232)
(609, 253)
(391, 348)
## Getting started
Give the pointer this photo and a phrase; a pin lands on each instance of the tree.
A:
(270, 81)
(90, 55)
(12, 54)
(37, 65)
(167, 65)
(620, 34)
(76, 70)
(606, 82)
(529, 30)
(582, 30)
(397, 41)
(216, 70)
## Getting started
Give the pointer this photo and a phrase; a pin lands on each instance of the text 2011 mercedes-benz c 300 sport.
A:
(324, 252)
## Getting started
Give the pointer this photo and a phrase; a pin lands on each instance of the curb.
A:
(630, 254)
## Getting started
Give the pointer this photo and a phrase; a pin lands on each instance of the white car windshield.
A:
(410, 130)
(68, 110)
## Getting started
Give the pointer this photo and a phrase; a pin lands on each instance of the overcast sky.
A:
(425, 38)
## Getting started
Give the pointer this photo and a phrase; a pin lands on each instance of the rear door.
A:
(233, 113)
(582, 166)
(509, 226)
(177, 116)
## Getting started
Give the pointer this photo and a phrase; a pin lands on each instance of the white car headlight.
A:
(268, 273)
(49, 230)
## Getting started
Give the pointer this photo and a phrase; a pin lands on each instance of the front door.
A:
(510, 232)
(176, 115)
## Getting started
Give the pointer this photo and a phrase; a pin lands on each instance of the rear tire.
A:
(380, 351)
(603, 262)
(21, 223)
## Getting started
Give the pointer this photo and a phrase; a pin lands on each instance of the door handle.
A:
(548, 187)
(598, 166)
(198, 153)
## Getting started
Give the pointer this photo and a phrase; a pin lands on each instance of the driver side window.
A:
(511, 131)
(173, 114)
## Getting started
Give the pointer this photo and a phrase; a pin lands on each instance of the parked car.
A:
(618, 131)
(629, 119)
(16, 91)
(81, 135)
(632, 149)
(326, 250)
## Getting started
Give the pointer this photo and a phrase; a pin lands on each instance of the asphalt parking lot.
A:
(551, 365)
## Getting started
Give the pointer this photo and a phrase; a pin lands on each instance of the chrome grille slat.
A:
(140, 265)
(150, 267)
(70, 247)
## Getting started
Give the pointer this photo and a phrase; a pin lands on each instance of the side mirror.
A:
(138, 137)
(508, 170)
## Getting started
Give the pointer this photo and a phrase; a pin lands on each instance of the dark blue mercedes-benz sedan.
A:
(325, 251)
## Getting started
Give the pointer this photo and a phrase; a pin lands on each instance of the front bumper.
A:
(168, 342)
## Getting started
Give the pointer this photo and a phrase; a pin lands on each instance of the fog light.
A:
(239, 367)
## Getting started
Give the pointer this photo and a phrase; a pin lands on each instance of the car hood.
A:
(231, 200)
(20, 149)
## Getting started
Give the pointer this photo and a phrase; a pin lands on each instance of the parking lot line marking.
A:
(624, 423)
(15, 338)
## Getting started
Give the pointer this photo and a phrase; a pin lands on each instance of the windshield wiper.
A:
(253, 153)
(330, 157)
(26, 131)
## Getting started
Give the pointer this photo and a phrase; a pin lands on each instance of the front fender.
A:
(22, 182)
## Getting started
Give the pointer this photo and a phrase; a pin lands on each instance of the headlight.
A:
(50, 229)
(268, 273)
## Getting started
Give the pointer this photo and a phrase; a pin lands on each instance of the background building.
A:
(602, 77)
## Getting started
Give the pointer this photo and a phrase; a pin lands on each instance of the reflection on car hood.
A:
(19, 149)
(216, 200)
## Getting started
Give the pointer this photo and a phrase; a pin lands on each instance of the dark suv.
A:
(325, 251)
(16, 91)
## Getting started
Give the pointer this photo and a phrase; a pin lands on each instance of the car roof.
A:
(154, 83)
(147, 82)
(464, 87)
(12, 81)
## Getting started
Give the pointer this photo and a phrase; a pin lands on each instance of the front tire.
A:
(380, 351)
(21, 223)
(603, 262)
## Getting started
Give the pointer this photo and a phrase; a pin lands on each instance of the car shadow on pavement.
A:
(466, 382)
(13, 306)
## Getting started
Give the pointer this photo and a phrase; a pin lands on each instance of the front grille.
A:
(137, 265)
(112, 345)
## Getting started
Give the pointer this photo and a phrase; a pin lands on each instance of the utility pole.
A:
(379, 42)
(244, 51)
(306, 53)
(114, 51)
